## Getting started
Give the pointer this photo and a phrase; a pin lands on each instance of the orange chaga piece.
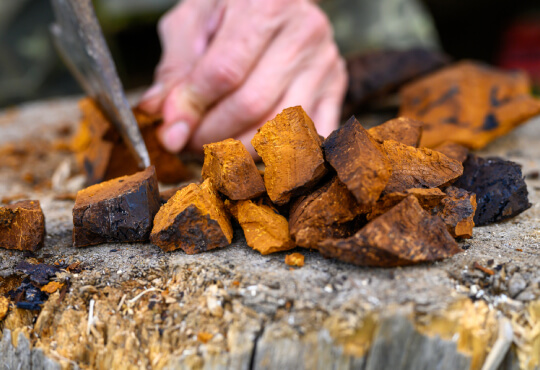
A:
(291, 151)
(22, 226)
(265, 229)
(405, 235)
(52, 287)
(232, 170)
(418, 168)
(453, 150)
(469, 103)
(204, 337)
(295, 259)
(326, 213)
(402, 129)
(359, 163)
(194, 219)
(457, 211)
(428, 199)
(102, 154)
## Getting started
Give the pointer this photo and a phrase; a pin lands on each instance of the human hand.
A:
(228, 66)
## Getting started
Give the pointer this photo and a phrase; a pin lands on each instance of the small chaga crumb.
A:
(265, 229)
(291, 151)
(204, 337)
(295, 259)
(119, 210)
(485, 270)
(428, 199)
(405, 235)
(326, 213)
(4, 307)
(232, 170)
(22, 226)
(469, 103)
(51, 287)
(359, 163)
(453, 151)
(418, 168)
(403, 130)
(194, 219)
(501, 191)
(457, 211)
(102, 154)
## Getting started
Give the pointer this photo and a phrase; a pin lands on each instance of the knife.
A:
(80, 42)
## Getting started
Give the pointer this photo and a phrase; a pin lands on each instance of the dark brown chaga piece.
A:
(457, 212)
(326, 213)
(469, 103)
(359, 163)
(418, 168)
(372, 75)
(428, 199)
(103, 155)
(22, 226)
(501, 192)
(194, 219)
(453, 151)
(291, 151)
(265, 229)
(118, 210)
(405, 235)
(232, 170)
(402, 129)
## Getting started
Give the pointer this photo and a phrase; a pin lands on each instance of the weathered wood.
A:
(291, 151)
(359, 163)
(22, 226)
(405, 235)
(119, 210)
(402, 129)
(194, 219)
(232, 170)
(418, 168)
(264, 228)
(326, 213)
(501, 192)
(469, 103)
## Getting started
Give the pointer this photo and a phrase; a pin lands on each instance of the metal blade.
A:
(81, 44)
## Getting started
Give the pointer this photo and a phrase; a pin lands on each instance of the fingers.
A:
(184, 32)
(245, 32)
(290, 54)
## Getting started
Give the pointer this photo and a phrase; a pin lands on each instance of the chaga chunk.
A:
(418, 168)
(194, 219)
(373, 75)
(326, 213)
(457, 211)
(265, 229)
(501, 192)
(118, 210)
(405, 235)
(165, 195)
(232, 170)
(22, 226)
(291, 151)
(469, 103)
(453, 150)
(428, 199)
(359, 163)
(403, 130)
(102, 154)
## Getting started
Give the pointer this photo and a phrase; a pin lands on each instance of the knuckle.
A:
(317, 22)
(226, 75)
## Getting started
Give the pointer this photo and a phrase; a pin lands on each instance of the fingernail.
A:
(152, 92)
(176, 136)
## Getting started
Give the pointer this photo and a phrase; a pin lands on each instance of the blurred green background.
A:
(30, 68)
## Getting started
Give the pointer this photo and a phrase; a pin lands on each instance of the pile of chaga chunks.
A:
(377, 197)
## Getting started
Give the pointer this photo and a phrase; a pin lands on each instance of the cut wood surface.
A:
(291, 151)
(132, 303)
